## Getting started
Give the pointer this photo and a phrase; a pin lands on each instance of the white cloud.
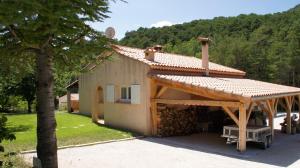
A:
(162, 23)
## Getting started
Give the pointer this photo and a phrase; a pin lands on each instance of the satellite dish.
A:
(110, 32)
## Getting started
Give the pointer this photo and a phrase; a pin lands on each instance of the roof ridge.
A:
(117, 45)
(189, 56)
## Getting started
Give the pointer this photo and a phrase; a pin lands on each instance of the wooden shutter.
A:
(135, 94)
(110, 93)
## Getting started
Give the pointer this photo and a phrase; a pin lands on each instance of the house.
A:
(129, 91)
(74, 102)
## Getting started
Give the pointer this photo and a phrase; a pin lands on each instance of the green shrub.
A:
(5, 134)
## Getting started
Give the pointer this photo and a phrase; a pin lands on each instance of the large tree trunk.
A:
(46, 124)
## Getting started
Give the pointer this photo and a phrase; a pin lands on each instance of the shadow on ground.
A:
(20, 128)
(284, 151)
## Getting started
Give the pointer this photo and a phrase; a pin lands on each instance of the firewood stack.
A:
(174, 121)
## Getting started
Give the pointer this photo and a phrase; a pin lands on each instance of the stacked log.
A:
(175, 121)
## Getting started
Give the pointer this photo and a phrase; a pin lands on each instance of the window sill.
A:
(124, 101)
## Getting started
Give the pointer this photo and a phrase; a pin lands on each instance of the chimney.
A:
(150, 51)
(158, 48)
(205, 57)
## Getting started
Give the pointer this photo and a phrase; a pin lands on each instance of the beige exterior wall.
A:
(121, 71)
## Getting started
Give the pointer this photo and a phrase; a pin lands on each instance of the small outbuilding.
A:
(74, 102)
(133, 89)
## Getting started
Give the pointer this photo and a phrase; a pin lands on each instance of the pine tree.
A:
(47, 34)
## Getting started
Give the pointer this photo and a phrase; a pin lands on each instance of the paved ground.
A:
(198, 150)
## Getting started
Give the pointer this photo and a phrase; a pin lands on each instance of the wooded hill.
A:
(267, 47)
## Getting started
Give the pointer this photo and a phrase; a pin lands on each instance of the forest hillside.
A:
(267, 46)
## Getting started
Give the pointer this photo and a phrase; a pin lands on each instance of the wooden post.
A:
(69, 100)
(242, 128)
(288, 115)
(271, 124)
(271, 112)
(153, 107)
(154, 116)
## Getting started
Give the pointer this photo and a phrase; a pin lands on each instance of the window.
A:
(125, 93)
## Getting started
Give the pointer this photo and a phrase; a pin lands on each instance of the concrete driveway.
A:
(198, 150)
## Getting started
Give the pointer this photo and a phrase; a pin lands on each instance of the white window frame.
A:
(127, 99)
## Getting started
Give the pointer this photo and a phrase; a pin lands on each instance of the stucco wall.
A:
(121, 71)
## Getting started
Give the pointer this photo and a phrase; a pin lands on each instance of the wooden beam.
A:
(292, 98)
(161, 91)
(154, 116)
(276, 105)
(273, 96)
(201, 91)
(271, 109)
(153, 106)
(263, 107)
(288, 115)
(283, 105)
(231, 115)
(249, 111)
(199, 102)
(242, 128)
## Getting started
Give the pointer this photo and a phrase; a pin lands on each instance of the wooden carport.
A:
(239, 97)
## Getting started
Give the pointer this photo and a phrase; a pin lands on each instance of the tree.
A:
(27, 90)
(50, 34)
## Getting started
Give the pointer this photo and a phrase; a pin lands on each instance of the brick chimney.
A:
(205, 57)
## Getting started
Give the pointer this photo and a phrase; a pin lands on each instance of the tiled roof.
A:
(167, 60)
(242, 87)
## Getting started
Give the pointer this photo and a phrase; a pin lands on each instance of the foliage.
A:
(267, 47)
(27, 90)
(50, 35)
(14, 161)
(5, 134)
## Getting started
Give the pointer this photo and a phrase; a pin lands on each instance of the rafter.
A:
(270, 107)
(231, 114)
(161, 91)
(262, 107)
(198, 102)
(249, 111)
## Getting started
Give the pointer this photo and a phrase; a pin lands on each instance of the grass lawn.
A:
(71, 129)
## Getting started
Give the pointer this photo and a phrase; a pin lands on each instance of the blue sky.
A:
(147, 13)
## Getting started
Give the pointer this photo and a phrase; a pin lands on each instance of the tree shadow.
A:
(284, 151)
(20, 128)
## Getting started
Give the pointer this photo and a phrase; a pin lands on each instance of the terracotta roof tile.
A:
(242, 87)
(173, 60)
